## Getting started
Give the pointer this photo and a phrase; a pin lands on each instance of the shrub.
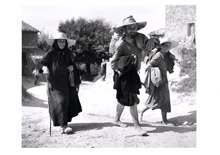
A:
(188, 69)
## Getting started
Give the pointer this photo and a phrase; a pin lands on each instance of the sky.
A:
(47, 17)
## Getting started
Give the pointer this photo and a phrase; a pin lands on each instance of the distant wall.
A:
(178, 19)
(28, 64)
(29, 39)
(29, 49)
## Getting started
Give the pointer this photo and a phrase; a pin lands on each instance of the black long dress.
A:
(63, 99)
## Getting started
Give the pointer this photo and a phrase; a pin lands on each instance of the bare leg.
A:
(142, 113)
(103, 78)
(119, 110)
(35, 80)
(134, 115)
(164, 116)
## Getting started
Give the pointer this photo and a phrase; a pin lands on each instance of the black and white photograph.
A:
(77, 93)
(109, 75)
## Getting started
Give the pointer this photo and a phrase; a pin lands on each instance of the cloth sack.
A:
(156, 77)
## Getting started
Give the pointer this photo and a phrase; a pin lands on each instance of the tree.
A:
(90, 35)
(42, 44)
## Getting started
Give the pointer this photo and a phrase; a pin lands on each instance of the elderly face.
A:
(131, 29)
(165, 47)
(61, 43)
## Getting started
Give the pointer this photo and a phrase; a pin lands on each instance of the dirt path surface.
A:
(93, 127)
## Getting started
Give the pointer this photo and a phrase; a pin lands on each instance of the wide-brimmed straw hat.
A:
(166, 40)
(61, 35)
(129, 21)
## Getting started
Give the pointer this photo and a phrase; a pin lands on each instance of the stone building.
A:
(29, 36)
(29, 48)
(180, 23)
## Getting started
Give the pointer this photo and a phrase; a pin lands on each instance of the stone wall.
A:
(29, 39)
(28, 64)
(177, 19)
(29, 50)
(29, 56)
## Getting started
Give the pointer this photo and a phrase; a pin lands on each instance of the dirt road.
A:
(93, 127)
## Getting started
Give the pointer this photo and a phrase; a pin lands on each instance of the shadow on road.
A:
(187, 119)
(28, 99)
(183, 124)
(178, 129)
(90, 126)
(34, 102)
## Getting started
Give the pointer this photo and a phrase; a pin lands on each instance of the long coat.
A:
(62, 98)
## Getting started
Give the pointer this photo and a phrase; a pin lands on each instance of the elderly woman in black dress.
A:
(62, 92)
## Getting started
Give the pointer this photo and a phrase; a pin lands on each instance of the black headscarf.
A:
(56, 47)
(61, 53)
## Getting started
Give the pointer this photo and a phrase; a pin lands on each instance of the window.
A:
(190, 29)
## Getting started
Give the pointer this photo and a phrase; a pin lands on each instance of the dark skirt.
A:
(63, 104)
(127, 88)
(160, 98)
(128, 100)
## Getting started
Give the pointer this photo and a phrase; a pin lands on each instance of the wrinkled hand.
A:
(70, 68)
(134, 59)
(50, 86)
(77, 88)
(148, 67)
(119, 73)
(36, 71)
(45, 71)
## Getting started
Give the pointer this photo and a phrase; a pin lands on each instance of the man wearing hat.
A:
(126, 59)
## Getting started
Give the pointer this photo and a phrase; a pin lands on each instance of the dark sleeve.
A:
(44, 61)
(76, 75)
(70, 62)
(70, 58)
(170, 62)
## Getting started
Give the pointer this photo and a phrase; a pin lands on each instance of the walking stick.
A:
(50, 126)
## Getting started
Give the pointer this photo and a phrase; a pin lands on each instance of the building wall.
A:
(177, 19)
(29, 39)
(27, 64)
(29, 49)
